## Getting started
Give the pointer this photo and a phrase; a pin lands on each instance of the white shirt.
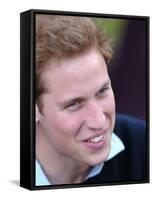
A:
(116, 147)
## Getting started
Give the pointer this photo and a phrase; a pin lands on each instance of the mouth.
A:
(95, 142)
(95, 139)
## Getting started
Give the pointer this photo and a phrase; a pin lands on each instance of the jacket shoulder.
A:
(129, 128)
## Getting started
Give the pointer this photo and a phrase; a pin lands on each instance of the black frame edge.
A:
(26, 141)
(27, 99)
(88, 14)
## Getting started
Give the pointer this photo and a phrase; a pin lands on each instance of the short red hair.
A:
(59, 37)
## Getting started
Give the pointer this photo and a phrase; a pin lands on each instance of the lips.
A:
(96, 142)
(96, 139)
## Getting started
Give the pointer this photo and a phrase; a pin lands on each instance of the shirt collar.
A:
(41, 178)
(116, 147)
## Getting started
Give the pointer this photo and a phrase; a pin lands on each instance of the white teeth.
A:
(96, 139)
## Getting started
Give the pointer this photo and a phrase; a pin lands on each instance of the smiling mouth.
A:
(96, 139)
(96, 142)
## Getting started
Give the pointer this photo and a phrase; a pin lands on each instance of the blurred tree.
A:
(114, 28)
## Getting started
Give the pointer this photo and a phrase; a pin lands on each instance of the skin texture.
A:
(78, 105)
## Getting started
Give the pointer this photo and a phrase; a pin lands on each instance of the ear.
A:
(37, 114)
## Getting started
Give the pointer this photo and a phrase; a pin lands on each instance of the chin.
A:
(98, 159)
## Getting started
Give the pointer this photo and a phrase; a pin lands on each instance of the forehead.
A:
(76, 76)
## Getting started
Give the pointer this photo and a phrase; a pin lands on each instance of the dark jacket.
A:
(131, 165)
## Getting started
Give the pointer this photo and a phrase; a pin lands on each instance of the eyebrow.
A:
(81, 98)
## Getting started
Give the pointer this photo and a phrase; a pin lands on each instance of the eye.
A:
(74, 105)
(102, 92)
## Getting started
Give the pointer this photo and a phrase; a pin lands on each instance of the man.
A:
(76, 141)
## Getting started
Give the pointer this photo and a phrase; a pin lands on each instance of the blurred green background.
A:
(114, 28)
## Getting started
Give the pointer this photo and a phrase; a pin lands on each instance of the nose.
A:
(95, 118)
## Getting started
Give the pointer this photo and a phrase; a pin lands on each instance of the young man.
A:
(75, 109)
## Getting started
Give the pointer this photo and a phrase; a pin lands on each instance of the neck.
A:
(58, 168)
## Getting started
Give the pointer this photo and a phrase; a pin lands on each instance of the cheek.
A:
(111, 110)
(71, 123)
(108, 106)
(63, 131)
(110, 103)
(65, 124)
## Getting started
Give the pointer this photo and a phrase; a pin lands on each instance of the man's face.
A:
(78, 111)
